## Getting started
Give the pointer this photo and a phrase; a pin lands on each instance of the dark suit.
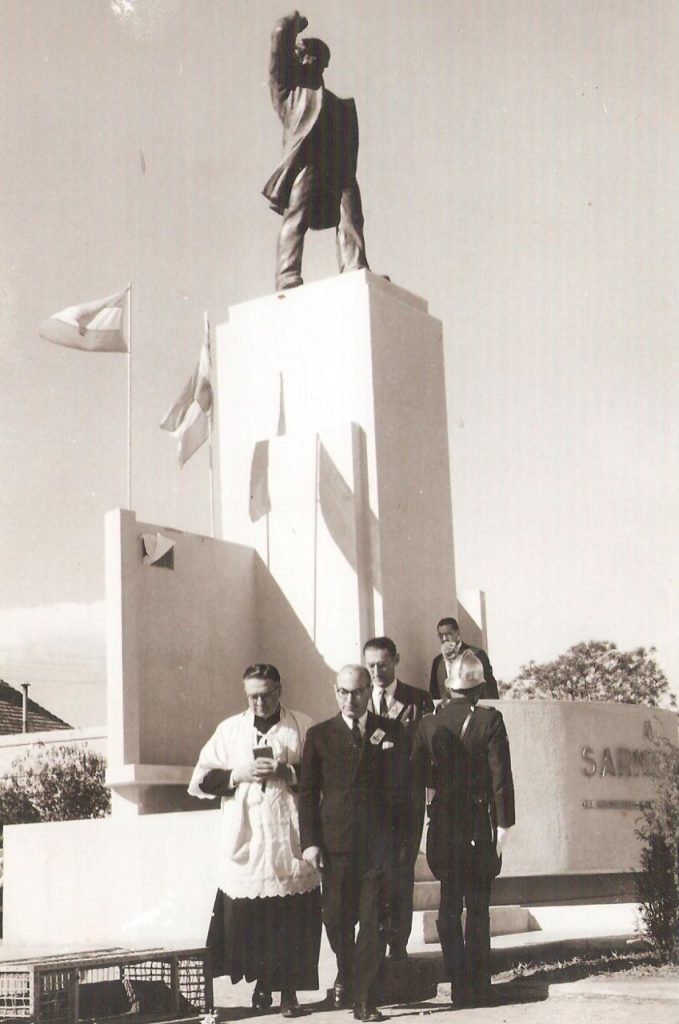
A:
(409, 705)
(437, 676)
(472, 776)
(354, 805)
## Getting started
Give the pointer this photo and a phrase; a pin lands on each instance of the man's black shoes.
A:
(366, 1012)
(341, 997)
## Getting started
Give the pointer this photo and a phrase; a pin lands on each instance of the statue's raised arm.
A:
(315, 185)
(282, 62)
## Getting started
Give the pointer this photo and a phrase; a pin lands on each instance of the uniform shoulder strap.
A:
(465, 724)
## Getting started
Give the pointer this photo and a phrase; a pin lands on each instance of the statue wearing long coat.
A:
(314, 185)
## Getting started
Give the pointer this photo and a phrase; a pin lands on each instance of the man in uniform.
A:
(463, 753)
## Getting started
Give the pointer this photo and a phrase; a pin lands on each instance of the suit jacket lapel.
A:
(442, 675)
(399, 703)
(372, 724)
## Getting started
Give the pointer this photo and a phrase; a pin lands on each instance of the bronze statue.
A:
(314, 186)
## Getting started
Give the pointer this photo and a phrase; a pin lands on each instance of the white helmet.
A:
(467, 672)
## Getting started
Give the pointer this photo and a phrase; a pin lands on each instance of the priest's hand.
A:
(258, 770)
(312, 855)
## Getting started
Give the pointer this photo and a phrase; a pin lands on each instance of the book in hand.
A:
(263, 752)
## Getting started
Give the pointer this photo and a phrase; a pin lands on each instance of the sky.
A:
(518, 167)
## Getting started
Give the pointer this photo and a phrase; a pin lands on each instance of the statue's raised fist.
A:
(300, 22)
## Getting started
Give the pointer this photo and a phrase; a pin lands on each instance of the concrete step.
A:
(503, 921)
(422, 872)
(426, 895)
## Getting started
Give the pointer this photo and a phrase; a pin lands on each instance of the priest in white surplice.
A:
(266, 921)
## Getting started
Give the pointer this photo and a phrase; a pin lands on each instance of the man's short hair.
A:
(448, 622)
(262, 671)
(381, 643)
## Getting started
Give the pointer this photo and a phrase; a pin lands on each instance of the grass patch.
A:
(646, 963)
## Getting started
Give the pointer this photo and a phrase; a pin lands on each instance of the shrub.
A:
(595, 670)
(658, 881)
(54, 784)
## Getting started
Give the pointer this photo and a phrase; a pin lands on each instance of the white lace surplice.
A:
(260, 849)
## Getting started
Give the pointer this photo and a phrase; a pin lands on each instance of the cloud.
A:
(148, 20)
(58, 643)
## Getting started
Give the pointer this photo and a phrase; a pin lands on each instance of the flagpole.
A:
(209, 429)
(129, 396)
(317, 500)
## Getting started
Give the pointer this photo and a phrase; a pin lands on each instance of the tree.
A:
(658, 880)
(595, 670)
(54, 784)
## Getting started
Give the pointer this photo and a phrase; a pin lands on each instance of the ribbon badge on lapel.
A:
(396, 709)
(377, 737)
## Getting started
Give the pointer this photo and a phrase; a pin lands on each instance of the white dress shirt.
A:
(388, 691)
(361, 722)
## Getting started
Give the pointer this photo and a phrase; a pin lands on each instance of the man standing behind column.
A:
(354, 812)
(451, 648)
(396, 701)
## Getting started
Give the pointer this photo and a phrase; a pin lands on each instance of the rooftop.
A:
(39, 719)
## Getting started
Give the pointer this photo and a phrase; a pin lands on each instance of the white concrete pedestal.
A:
(349, 502)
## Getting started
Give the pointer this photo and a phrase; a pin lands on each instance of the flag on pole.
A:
(97, 326)
(189, 418)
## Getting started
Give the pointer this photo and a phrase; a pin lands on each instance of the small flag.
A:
(156, 548)
(94, 326)
(282, 426)
(260, 500)
(189, 418)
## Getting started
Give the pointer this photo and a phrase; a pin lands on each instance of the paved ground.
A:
(564, 933)
(601, 999)
(613, 1001)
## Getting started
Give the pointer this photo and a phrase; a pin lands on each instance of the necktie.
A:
(356, 732)
(384, 710)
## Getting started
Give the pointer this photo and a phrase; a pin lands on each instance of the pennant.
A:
(260, 500)
(281, 429)
(97, 326)
(189, 418)
(156, 548)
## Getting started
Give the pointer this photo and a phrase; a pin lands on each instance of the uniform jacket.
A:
(472, 777)
(353, 797)
(318, 128)
(437, 677)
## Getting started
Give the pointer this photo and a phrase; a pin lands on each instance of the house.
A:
(38, 719)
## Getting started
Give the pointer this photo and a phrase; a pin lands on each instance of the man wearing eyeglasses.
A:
(451, 648)
(354, 825)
